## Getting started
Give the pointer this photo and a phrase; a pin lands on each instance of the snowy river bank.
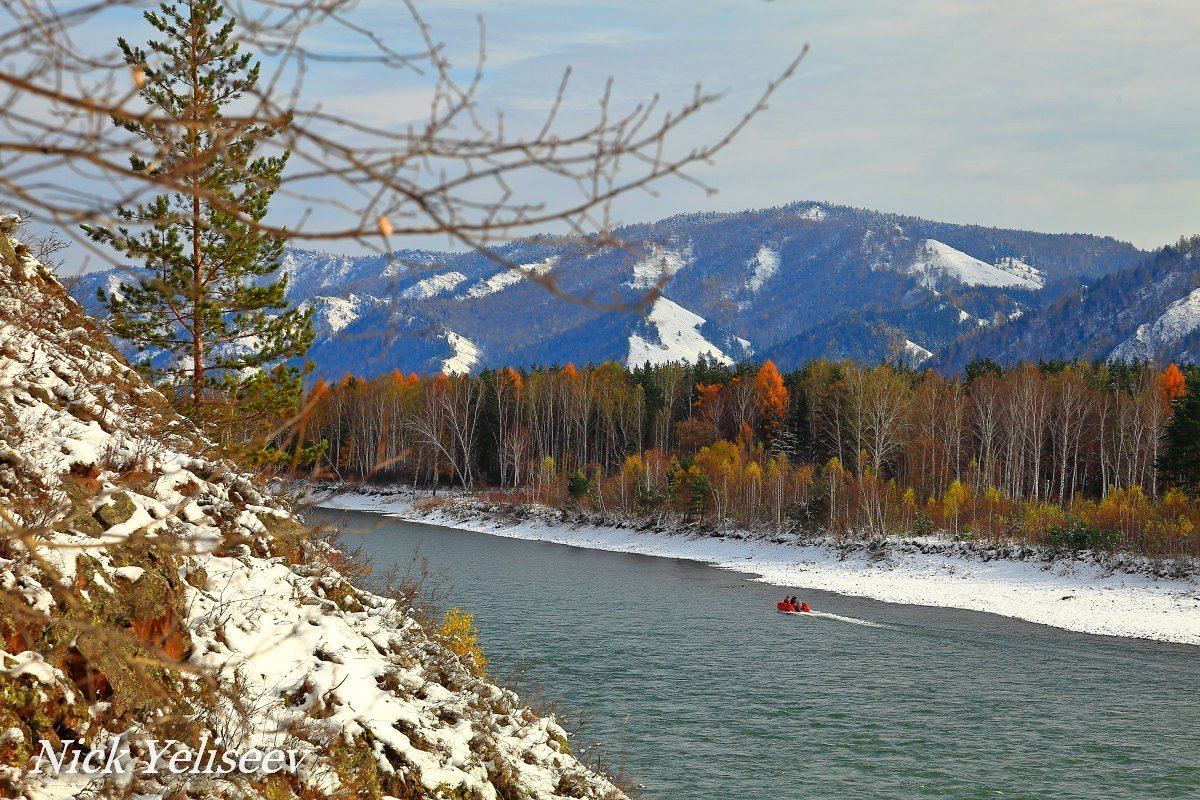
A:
(1075, 595)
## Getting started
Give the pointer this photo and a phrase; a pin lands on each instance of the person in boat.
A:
(795, 605)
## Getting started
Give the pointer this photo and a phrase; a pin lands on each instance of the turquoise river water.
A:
(696, 688)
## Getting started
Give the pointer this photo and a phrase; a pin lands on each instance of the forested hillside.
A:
(1149, 311)
(792, 283)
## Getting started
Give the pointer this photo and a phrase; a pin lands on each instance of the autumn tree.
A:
(771, 398)
(1180, 460)
(1172, 384)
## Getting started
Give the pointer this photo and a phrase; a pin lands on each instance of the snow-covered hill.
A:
(1149, 311)
(939, 262)
(673, 333)
(789, 283)
(1165, 334)
(154, 592)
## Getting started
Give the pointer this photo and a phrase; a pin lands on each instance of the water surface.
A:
(699, 690)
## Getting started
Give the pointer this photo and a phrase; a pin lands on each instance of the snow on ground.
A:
(679, 337)
(938, 260)
(508, 277)
(765, 265)
(915, 353)
(433, 286)
(1075, 596)
(1018, 268)
(814, 213)
(657, 268)
(465, 358)
(1181, 318)
(94, 460)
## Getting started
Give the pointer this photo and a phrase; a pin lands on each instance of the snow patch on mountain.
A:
(333, 314)
(433, 286)
(765, 265)
(938, 260)
(509, 277)
(1018, 268)
(914, 354)
(1181, 318)
(658, 267)
(814, 213)
(678, 334)
(465, 355)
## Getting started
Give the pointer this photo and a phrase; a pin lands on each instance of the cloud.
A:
(1049, 114)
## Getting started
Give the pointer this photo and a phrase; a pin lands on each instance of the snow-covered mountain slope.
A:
(672, 334)
(914, 354)
(508, 277)
(465, 355)
(658, 266)
(434, 286)
(765, 266)
(151, 592)
(938, 262)
(795, 282)
(1164, 334)
(1150, 311)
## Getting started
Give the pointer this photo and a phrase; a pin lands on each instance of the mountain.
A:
(1149, 311)
(152, 592)
(789, 283)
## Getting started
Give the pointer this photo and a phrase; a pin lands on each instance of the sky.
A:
(1056, 115)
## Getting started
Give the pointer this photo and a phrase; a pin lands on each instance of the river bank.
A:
(1121, 598)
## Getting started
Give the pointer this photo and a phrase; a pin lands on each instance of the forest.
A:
(1071, 456)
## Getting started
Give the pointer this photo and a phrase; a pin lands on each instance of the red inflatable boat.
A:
(788, 608)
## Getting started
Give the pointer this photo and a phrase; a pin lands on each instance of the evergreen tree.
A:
(210, 314)
(1180, 461)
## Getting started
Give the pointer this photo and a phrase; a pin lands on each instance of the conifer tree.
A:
(210, 313)
(1179, 463)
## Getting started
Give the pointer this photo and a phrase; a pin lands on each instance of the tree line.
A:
(1072, 454)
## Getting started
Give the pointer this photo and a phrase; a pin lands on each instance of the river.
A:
(694, 686)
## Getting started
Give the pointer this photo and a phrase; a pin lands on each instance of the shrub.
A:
(459, 634)
(1077, 535)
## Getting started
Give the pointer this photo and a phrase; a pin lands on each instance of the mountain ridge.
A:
(789, 283)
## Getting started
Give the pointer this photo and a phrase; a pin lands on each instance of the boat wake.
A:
(838, 618)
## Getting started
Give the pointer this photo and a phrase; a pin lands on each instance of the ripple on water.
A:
(700, 690)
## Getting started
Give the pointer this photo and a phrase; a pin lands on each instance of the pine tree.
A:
(210, 315)
(1180, 462)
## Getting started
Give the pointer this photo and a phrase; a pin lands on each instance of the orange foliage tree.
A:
(1172, 384)
(771, 396)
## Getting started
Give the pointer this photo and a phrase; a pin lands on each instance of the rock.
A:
(86, 525)
(119, 509)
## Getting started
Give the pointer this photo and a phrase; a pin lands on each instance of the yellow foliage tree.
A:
(461, 637)
(954, 502)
